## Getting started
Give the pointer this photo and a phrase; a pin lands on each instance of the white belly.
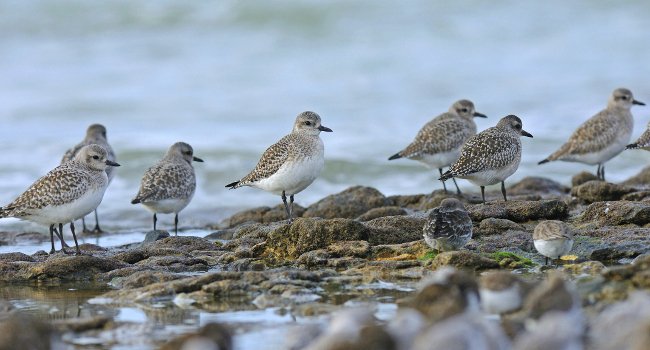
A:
(554, 248)
(167, 206)
(493, 176)
(501, 301)
(65, 213)
(607, 153)
(292, 177)
(440, 160)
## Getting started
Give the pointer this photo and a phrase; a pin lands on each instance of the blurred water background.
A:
(229, 77)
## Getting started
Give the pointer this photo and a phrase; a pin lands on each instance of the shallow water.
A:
(229, 78)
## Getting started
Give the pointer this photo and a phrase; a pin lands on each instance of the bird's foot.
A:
(97, 230)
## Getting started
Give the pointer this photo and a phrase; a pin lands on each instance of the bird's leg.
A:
(503, 190)
(598, 172)
(443, 182)
(286, 206)
(483, 193)
(546, 260)
(83, 223)
(176, 225)
(52, 238)
(291, 208)
(602, 172)
(60, 236)
(75, 237)
(63, 245)
(457, 189)
(154, 221)
(97, 229)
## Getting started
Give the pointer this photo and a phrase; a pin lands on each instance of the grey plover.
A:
(68, 192)
(552, 239)
(439, 141)
(448, 227)
(463, 331)
(643, 142)
(603, 136)
(95, 134)
(291, 164)
(169, 185)
(501, 292)
(490, 156)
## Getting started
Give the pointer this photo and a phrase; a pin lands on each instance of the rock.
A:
(582, 177)
(16, 256)
(263, 215)
(288, 242)
(617, 213)
(153, 236)
(592, 268)
(210, 336)
(637, 196)
(411, 201)
(313, 258)
(144, 278)
(463, 259)
(381, 212)
(21, 331)
(613, 253)
(349, 204)
(183, 244)
(642, 179)
(415, 249)
(514, 240)
(519, 211)
(64, 268)
(532, 185)
(221, 234)
(395, 229)
(82, 324)
(174, 263)
(492, 226)
(359, 249)
(598, 191)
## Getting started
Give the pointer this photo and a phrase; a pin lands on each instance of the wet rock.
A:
(395, 229)
(318, 257)
(221, 234)
(82, 324)
(10, 257)
(350, 203)
(514, 241)
(592, 268)
(381, 212)
(613, 253)
(617, 213)
(642, 179)
(519, 211)
(21, 331)
(533, 185)
(464, 260)
(264, 215)
(183, 244)
(229, 288)
(288, 242)
(63, 268)
(144, 278)
(359, 249)
(255, 230)
(582, 177)
(247, 264)
(637, 196)
(210, 337)
(412, 250)
(153, 236)
(493, 226)
(598, 191)
(174, 263)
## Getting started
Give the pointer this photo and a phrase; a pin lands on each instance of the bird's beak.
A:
(635, 102)
(111, 163)
(324, 128)
(197, 159)
(526, 133)
(481, 115)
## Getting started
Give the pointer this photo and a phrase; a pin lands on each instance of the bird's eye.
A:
(518, 126)
(308, 123)
(624, 97)
(464, 110)
(95, 157)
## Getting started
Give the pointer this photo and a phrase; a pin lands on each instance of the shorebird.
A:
(448, 227)
(291, 164)
(68, 192)
(552, 238)
(501, 292)
(95, 134)
(439, 141)
(490, 156)
(168, 186)
(603, 136)
(643, 142)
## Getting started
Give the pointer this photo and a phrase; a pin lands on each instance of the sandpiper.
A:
(95, 134)
(553, 239)
(501, 292)
(490, 156)
(603, 136)
(168, 186)
(643, 142)
(291, 164)
(448, 227)
(68, 192)
(439, 141)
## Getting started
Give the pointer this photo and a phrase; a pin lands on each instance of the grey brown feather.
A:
(448, 227)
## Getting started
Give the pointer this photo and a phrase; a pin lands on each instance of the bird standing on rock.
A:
(439, 141)
(448, 227)
(490, 156)
(291, 164)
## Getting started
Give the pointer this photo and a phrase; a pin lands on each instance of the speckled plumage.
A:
(643, 142)
(603, 136)
(552, 238)
(68, 192)
(291, 164)
(448, 227)
(169, 185)
(490, 156)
